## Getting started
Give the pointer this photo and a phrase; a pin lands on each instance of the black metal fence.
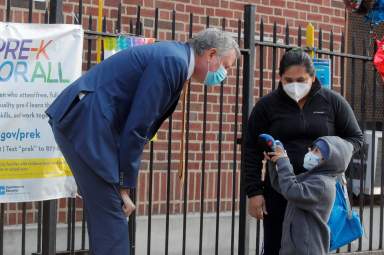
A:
(354, 77)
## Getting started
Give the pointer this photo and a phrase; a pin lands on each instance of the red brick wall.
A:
(326, 14)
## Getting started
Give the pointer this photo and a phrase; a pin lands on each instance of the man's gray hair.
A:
(214, 38)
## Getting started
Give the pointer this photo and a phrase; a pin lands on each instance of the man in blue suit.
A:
(102, 121)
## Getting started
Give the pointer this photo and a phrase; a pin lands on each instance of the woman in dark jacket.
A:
(297, 113)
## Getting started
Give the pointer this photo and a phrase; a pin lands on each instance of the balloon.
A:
(378, 60)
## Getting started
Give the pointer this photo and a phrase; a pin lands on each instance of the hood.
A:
(340, 154)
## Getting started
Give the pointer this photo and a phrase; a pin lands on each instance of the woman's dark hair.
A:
(296, 57)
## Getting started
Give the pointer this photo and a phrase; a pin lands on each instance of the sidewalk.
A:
(12, 235)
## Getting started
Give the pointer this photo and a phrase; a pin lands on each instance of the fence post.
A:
(50, 206)
(248, 85)
(49, 227)
(310, 38)
(56, 11)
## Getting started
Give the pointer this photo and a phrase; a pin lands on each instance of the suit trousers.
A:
(106, 221)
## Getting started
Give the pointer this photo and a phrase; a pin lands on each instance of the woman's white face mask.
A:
(297, 90)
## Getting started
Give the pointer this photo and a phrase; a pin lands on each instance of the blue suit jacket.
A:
(128, 96)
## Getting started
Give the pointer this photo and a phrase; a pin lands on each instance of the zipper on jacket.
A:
(302, 109)
(302, 117)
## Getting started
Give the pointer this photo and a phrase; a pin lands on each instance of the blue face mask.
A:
(215, 78)
(311, 161)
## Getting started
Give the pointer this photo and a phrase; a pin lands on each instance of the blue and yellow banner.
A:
(37, 61)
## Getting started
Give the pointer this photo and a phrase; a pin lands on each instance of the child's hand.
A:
(266, 157)
(277, 154)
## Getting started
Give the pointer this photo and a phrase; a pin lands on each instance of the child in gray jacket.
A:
(310, 195)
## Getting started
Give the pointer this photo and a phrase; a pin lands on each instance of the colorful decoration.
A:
(354, 5)
(376, 15)
(113, 45)
(378, 60)
(362, 7)
(373, 10)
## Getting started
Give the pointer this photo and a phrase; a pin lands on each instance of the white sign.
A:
(37, 61)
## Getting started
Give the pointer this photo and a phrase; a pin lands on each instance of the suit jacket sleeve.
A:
(159, 83)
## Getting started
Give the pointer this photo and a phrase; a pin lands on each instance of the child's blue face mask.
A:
(216, 77)
(311, 161)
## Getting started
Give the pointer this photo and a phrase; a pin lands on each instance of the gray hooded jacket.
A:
(310, 197)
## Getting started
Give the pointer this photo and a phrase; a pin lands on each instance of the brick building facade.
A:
(329, 15)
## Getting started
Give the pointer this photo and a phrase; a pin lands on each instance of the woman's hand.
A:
(277, 154)
(257, 207)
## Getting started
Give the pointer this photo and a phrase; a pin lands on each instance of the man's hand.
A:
(128, 206)
(257, 207)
